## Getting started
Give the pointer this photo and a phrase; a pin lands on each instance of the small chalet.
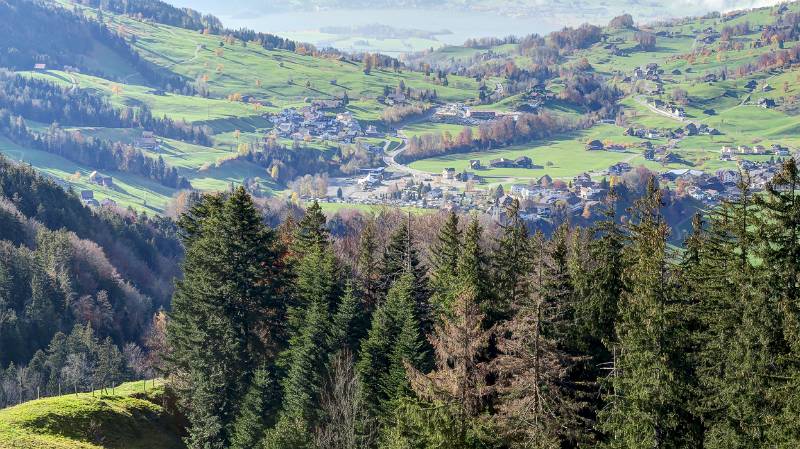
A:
(523, 162)
(594, 145)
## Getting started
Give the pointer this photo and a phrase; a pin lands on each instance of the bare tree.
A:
(533, 408)
(346, 423)
(459, 379)
(76, 370)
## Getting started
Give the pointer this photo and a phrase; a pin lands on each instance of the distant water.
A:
(462, 24)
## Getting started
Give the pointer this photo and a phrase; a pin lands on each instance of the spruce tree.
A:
(226, 312)
(736, 326)
(444, 258)
(248, 429)
(459, 378)
(400, 257)
(778, 248)
(473, 270)
(534, 408)
(311, 230)
(393, 340)
(367, 265)
(511, 262)
(647, 391)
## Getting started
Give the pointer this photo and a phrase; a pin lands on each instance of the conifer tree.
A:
(369, 275)
(393, 340)
(400, 257)
(311, 229)
(459, 378)
(647, 390)
(473, 268)
(248, 429)
(736, 326)
(534, 409)
(445, 254)
(226, 312)
(510, 265)
(348, 326)
(778, 248)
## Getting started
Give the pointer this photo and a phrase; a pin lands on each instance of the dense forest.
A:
(70, 276)
(447, 332)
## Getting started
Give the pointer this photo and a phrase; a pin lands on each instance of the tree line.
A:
(73, 363)
(600, 337)
(47, 102)
(59, 38)
(496, 133)
(90, 151)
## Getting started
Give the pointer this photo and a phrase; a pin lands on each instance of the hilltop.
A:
(125, 417)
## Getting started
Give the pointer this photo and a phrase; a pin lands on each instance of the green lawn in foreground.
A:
(125, 418)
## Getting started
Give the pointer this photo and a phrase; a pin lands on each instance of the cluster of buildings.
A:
(655, 133)
(459, 114)
(88, 199)
(672, 109)
(729, 153)
(313, 122)
(711, 188)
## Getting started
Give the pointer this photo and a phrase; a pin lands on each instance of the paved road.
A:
(389, 158)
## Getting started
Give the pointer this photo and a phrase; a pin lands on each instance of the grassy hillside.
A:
(125, 418)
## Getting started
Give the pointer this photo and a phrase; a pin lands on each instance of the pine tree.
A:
(400, 257)
(778, 248)
(534, 407)
(307, 362)
(231, 297)
(348, 324)
(459, 343)
(473, 270)
(444, 262)
(736, 327)
(248, 429)
(510, 265)
(311, 230)
(369, 275)
(647, 391)
(393, 340)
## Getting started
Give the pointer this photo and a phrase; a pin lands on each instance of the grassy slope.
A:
(742, 124)
(193, 54)
(126, 418)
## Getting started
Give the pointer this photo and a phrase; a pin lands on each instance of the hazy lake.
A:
(462, 24)
(305, 25)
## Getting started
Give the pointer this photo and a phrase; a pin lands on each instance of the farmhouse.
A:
(594, 145)
(481, 115)
(501, 163)
(766, 103)
(147, 141)
(523, 162)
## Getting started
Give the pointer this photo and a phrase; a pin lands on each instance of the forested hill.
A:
(64, 265)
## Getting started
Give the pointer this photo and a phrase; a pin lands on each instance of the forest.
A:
(73, 281)
(404, 332)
